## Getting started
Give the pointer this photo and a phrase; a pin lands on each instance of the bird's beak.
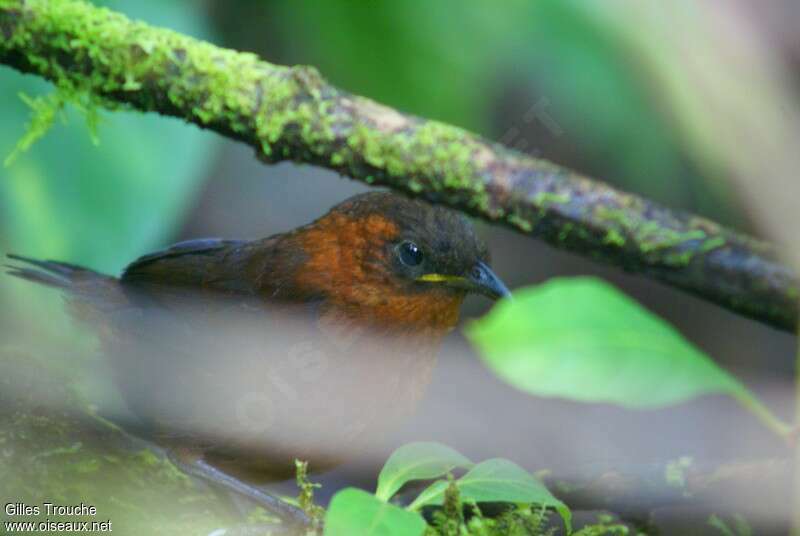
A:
(485, 281)
(481, 280)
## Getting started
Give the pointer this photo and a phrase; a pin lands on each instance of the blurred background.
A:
(695, 106)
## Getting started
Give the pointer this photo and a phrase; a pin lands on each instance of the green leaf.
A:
(417, 461)
(354, 511)
(496, 480)
(582, 339)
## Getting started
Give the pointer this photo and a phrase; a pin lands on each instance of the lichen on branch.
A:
(292, 113)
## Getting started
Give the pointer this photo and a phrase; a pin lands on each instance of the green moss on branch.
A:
(293, 113)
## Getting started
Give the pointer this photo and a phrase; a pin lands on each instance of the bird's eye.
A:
(410, 254)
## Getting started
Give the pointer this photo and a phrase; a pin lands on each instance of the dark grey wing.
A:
(193, 246)
(209, 265)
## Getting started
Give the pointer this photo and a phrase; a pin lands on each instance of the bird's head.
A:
(396, 261)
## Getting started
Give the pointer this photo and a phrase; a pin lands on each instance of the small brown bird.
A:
(248, 354)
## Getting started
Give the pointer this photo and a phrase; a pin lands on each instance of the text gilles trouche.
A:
(51, 509)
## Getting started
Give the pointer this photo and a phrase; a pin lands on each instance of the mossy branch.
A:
(292, 113)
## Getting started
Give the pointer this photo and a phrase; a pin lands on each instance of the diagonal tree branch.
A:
(291, 113)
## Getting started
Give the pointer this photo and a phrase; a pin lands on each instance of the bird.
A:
(244, 355)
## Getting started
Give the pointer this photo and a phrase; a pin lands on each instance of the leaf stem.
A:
(764, 414)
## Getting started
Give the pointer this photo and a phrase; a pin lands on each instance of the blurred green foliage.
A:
(457, 63)
(99, 204)
(580, 338)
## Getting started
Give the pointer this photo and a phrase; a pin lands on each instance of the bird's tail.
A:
(88, 291)
(50, 273)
